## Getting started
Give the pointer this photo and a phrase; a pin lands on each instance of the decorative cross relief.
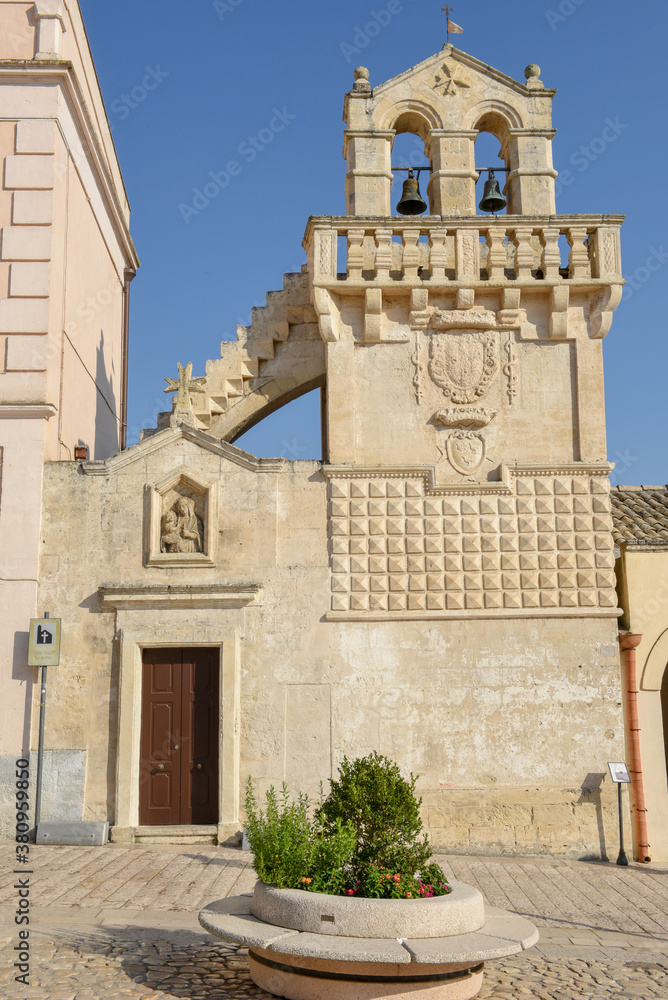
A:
(184, 386)
(449, 80)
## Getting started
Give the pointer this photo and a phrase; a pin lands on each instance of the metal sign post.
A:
(620, 775)
(43, 651)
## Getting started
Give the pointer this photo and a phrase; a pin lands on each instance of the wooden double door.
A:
(179, 737)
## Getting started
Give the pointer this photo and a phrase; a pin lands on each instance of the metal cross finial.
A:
(451, 26)
(184, 385)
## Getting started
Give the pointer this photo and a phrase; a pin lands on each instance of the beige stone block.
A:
(29, 172)
(32, 208)
(26, 354)
(29, 279)
(538, 797)
(26, 243)
(475, 798)
(558, 837)
(24, 316)
(441, 817)
(36, 136)
(492, 814)
(450, 837)
(526, 836)
(491, 836)
(555, 813)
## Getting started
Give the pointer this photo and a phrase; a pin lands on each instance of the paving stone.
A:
(121, 924)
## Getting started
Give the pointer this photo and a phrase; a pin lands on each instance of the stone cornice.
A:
(502, 614)
(217, 596)
(64, 73)
(163, 439)
(27, 411)
(502, 486)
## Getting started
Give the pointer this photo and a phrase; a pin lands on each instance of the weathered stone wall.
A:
(509, 722)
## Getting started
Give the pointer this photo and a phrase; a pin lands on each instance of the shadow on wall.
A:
(591, 794)
(107, 425)
(23, 673)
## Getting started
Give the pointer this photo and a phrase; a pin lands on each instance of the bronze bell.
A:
(411, 202)
(492, 199)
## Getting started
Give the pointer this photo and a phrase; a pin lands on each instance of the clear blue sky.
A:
(221, 69)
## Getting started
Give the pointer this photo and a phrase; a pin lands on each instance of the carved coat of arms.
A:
(463, 363)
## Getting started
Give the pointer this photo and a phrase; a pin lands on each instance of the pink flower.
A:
(349, 892)
(397, 878)
(409, 895)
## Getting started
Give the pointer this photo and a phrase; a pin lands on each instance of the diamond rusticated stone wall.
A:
(397, 548)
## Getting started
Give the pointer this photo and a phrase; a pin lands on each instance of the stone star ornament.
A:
(184, 386)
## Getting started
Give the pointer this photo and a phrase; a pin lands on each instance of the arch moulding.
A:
(493, 109)
(655, 664)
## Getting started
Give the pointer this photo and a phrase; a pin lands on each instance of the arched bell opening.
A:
(409, 153)
(491, 146)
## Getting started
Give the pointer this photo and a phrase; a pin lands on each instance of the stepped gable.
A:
(264, 366)
(640, 515)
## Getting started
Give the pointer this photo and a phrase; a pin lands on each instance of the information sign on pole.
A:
(619, 773)
(44, 648)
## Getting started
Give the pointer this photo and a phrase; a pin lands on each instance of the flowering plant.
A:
(363, 839)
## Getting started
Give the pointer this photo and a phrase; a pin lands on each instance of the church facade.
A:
(440, 587)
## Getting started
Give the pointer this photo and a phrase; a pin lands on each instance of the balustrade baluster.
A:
(523, 251)
(411, 255)
(551, 259)
(355, 253)
(496, 255)
(383, 253)
(438, 259)
(578, 261)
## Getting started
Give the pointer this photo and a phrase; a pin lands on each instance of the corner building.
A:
(439, 588)
(66, 262)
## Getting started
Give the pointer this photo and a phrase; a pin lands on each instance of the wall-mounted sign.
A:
(619, 772)
(44, 648)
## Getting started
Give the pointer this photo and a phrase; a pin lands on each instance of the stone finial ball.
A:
(361, 73)
(532, 70)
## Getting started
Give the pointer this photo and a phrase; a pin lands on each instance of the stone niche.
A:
(181, 521)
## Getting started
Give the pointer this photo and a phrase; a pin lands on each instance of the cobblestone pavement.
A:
(121, 922)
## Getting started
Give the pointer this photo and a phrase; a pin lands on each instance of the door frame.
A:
(131, 644)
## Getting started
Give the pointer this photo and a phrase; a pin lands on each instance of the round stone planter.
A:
(310, 946)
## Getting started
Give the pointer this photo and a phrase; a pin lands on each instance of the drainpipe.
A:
(128, 275)
(628, 642)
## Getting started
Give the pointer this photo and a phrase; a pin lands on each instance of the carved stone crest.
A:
(463, 363)
(466, 451)
(465, 416)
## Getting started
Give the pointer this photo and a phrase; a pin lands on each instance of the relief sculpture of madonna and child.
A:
(182, 529)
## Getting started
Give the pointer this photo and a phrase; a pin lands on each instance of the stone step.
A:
(176, 835)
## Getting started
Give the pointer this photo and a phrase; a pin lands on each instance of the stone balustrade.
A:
(430, 251)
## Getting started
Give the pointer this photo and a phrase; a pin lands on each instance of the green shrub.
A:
(292, 851)
(363, 840)
(384, 811)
